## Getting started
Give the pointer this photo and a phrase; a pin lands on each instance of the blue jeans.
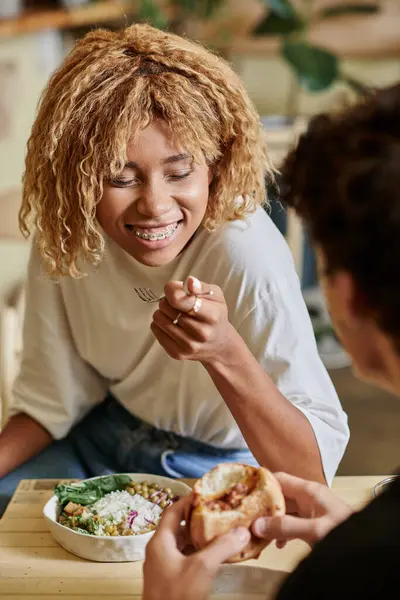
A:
(111, 440)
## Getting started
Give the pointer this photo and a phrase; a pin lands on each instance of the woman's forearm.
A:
(21, 439)
(277, 433)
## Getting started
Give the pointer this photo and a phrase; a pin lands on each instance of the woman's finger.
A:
(209, 313)
(169, 344)
(185, 330)
(197, 305)
(194, 286)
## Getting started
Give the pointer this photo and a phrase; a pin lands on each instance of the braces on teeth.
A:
(156, 236)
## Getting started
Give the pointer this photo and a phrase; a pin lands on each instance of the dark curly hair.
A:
(343, 179)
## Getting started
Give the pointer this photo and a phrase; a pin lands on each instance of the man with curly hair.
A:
(146, 169)
(343, 179)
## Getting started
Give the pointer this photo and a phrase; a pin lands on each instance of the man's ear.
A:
(350, 306)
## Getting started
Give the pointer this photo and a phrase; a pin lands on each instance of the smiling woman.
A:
(146, 170)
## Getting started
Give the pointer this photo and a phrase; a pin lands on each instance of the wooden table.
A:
(33, 566)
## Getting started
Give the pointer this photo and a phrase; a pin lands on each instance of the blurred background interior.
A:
(296, 58)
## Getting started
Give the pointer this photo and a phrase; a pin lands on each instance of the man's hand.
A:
(312, 511)
(169, 574)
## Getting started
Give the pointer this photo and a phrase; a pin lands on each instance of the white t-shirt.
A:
(87, 336)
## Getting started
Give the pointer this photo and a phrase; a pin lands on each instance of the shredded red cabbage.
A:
(132, 516)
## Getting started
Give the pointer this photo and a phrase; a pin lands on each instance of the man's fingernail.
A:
(196, 284)
(242, 534)
(260, 527)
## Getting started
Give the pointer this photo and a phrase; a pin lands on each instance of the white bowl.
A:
(105, 548)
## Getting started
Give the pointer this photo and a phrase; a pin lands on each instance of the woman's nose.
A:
(154, 201)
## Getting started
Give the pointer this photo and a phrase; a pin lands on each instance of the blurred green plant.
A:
(316, 69)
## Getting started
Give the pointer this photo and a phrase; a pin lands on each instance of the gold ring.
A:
(175, 321)
(196, 306)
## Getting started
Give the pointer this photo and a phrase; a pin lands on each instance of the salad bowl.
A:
(103, 546)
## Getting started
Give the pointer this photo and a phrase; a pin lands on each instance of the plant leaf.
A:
(187, 5)
(350, 9)
(151, 13)
(87, 492)
(211, 6)
(203, 9)
(315, 68)
(273, 24)
(283, 8)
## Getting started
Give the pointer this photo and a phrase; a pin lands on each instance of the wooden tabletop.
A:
(33, 566)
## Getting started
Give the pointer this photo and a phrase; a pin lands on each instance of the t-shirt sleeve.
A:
(358, 559)
(279, 333)
(55, 386)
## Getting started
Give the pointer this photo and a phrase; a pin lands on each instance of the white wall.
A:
(32, 59)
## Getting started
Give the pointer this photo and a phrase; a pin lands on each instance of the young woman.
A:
(344, 180)
(146, 165)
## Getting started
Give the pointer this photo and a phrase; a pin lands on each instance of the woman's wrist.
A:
(234, 353)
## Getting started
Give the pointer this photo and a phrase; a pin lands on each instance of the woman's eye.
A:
(124, 182)
(179, 176)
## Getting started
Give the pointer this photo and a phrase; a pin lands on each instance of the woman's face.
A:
(158, 202)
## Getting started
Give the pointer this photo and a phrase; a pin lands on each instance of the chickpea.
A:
(146, 495)
(114, 533)
(163, 504)
(109, 528)
(130, 491)
(168, 491)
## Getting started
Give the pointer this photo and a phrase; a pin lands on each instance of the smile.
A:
(158, 233)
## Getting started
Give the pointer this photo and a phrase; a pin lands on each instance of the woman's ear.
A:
(210, 175)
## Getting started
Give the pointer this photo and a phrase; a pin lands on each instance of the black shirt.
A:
(359, 559)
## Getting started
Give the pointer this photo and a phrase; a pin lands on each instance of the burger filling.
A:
(234, 497)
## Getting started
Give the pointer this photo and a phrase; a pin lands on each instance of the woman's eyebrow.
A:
(170, 159)
(175, 158)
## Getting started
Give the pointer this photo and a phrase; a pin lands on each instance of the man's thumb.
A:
(225, 546)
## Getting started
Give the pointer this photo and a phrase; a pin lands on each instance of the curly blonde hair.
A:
(112, 85)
